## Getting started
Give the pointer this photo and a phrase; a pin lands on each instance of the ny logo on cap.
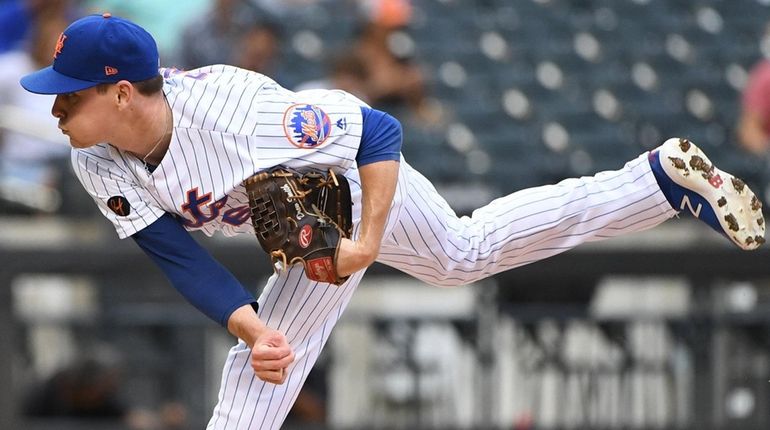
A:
(59, 45)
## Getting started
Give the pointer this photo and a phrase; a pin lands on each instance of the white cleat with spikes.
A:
(691, 182)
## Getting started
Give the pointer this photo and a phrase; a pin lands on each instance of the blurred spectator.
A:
(86, 389)
(14, 22)
(165, 19)
(393, 76)
(18, 16)
(91, 389)
(33, 152)
(754, 120)
(390, 78)
(380, 67)
(392, 14)
(213, 35)
(347, 72)
(370, 69)
(257, 49)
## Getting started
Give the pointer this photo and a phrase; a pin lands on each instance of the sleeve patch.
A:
(306, 126)
(119, 205)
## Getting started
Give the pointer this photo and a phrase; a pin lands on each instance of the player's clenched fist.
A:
(270, 356)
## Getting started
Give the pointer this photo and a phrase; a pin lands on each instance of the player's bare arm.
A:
(271, 353)
(378, 185)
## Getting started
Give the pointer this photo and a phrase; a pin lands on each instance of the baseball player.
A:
(164, 152)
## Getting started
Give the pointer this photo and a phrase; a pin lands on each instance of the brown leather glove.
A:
(301, 218)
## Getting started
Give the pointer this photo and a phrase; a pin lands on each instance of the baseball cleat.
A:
(690, 181)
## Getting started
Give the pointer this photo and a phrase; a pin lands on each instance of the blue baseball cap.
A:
(96, 49)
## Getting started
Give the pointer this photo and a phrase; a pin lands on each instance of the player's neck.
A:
(152, 131)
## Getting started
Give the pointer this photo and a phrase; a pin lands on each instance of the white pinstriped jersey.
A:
(228, 124)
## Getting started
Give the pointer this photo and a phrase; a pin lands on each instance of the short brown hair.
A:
(147, 87)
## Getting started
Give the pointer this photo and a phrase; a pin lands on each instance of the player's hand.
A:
(271, 355)
(354, 256)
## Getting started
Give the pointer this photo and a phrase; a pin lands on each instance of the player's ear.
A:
(124, 92)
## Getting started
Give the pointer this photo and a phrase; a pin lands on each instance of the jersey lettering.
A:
(236, 216)
(196, 205)
(694, 211)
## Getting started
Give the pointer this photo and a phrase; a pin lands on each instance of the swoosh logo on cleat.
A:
(686, 202)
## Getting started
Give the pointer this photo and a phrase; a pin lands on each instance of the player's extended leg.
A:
(305, 311)
(433, 244)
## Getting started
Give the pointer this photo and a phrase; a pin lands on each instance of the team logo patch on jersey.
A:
(119, 205)
(306, 126)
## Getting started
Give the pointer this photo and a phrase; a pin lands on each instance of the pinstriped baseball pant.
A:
(425, 239)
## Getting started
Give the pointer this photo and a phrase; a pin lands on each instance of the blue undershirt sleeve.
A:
(205, 283)
(381, 137)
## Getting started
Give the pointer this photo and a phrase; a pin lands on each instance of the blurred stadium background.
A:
(662, 330)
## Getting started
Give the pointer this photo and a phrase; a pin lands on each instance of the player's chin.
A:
(79, 144)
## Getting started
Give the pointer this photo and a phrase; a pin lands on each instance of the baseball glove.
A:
(301, 218)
